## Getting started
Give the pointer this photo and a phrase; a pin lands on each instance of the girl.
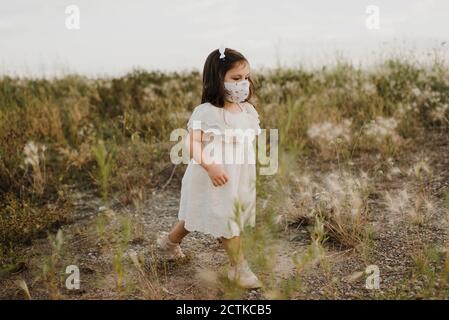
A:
(218, 191)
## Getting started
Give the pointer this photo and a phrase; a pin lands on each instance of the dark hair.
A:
(214, 72)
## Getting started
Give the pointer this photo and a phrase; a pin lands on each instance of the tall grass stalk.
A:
(105, 160)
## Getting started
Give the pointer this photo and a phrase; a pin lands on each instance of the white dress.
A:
(225, 210)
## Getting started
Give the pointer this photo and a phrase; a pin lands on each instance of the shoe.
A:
(243, 276)
(173, 250)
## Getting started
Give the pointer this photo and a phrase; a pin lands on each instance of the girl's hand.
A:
(217, 175)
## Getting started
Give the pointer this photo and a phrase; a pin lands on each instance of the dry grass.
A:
(112, 136)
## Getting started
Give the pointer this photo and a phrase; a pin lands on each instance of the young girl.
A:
(218, 191)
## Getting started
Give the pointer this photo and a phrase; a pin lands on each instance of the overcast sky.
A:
(118, 35)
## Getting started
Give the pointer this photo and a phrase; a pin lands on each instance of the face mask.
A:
(237, 91)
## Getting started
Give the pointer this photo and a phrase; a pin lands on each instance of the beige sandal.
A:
(172, 249)
(243, 276)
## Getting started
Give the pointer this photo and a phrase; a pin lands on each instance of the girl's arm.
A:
(215, 171)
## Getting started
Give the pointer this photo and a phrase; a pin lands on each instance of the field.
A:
(361, 190)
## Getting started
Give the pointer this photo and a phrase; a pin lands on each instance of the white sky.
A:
(117, 35)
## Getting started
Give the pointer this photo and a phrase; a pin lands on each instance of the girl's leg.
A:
(178, 232)
(234, 250)
(239, 270)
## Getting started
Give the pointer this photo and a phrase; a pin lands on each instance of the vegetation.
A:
(111, 136)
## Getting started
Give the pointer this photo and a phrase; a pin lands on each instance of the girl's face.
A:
(238, 73)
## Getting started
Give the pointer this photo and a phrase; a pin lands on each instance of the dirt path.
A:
(196, 278)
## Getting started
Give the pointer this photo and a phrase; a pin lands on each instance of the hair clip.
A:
(222, 51)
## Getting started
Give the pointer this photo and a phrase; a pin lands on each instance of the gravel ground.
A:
(198, 275)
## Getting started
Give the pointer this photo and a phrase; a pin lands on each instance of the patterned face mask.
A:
(237, 91)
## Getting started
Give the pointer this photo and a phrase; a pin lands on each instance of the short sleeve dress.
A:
(222, 211)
